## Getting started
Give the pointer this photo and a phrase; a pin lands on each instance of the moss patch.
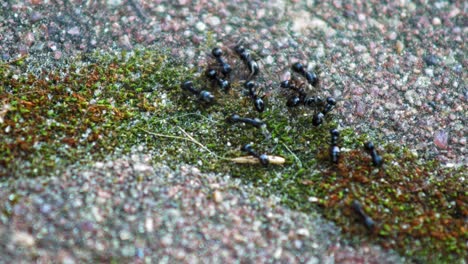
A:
(116, 102)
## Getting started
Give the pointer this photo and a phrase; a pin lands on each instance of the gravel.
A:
(127, 210)
(398, 71)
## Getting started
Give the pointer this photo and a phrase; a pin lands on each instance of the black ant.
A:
(377, 160)
(225, 67)
(299, 97)
(310, 76)
(319, 116)
(334, 149)
(222, 83)
(258, 101)
(368, 222)
(254, 122)
(245, 56)
(203, 95)
(263, 158)
(331, 103)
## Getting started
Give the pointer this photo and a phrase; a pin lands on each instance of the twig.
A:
(195, 141)
(183, 115)
(187, 138)
(294, 155)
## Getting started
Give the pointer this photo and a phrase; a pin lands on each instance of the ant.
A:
(319, 116)
(254, 122)
(203, 95)
(296, 99)
(263, 158)
(377, 160)
(331, 103)
(310, 76)
(368, 222)
(258, 101)
(245, 56)
(225, 67)
(334, 149)
(300, 98)
(222, 83)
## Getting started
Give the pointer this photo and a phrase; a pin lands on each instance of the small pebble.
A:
(462, 141)
(441, 139)
(200, 26)
(217, 196)
(214, 21)
(166, 240)
(399, 47)
(303, 232)
(35, 16)
(74, 31)
(46, 208)
(431, 60)
(23, 239)
(125, 235)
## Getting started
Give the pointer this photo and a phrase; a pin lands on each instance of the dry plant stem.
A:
(187, 138)
(299, 162)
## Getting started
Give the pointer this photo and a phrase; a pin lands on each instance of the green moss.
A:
(121, 101)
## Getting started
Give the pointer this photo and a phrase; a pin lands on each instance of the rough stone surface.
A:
(113, 212)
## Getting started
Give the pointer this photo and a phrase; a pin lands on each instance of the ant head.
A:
(334, 132)
(249, 85)
(239, 48)
(369, 146)
(206, 96)
(285, 84)
(331, 101)
(224, 84)
(211, 73)
(259, 105)
(297, 67)
(317, 120)
(226, 69)
(187, 85)
(247, 147)
(234, 118)
(217, 52)
(293, 101)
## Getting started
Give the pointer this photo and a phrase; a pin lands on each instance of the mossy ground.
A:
(116, 102)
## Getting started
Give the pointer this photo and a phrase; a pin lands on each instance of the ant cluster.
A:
(223, 72)
(226, 78)
(298, 96)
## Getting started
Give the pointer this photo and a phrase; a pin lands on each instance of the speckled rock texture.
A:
(128, 211)
(398, 71)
